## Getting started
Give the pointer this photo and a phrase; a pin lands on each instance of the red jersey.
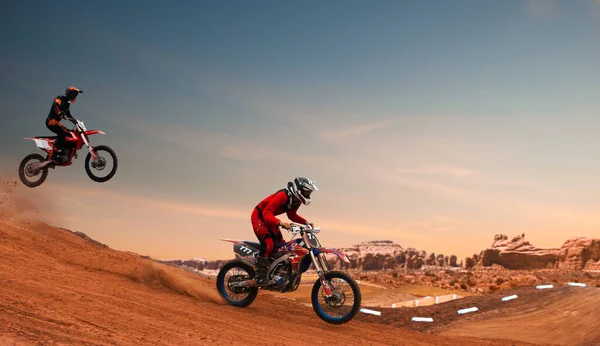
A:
(276, 204)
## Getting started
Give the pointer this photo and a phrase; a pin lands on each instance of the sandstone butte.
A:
(578, 253)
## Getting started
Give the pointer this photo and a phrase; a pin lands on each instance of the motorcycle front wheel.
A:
(101, 163)
(345, 302)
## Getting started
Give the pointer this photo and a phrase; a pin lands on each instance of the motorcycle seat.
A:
(253, 244)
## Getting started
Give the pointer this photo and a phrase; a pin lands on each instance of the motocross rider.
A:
(58, 111)
(266, 225)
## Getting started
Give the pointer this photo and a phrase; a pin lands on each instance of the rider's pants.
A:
(266, 236)
(61, 132)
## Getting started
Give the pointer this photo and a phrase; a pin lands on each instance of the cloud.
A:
(212, 142)
(357, 129)
(543, 9)
(561, 216)
(423, 184)
(143, 203)
(439, 170)
(385, 231)
(431, 224)
(516, 182)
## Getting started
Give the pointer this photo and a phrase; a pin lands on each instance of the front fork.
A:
(321, 269)
(89, 145)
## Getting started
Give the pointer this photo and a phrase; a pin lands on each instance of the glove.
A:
(284, 225)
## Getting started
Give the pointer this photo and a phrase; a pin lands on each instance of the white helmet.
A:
(302, 187)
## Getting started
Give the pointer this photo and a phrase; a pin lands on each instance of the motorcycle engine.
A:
(282, 274)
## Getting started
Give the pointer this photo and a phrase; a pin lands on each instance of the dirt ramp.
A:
(571, 319)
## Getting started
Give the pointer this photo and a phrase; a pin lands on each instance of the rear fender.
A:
(42, 143)
(341, 255)
(242, 249)
(235, 241)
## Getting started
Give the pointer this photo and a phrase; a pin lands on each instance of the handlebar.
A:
(75, 121)
(296, 228)
(71, 119)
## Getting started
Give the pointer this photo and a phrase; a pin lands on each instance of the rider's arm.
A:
(55, 106)
(292, 215)
(269, 211)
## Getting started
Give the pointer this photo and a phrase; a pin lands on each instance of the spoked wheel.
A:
(27, 170)
(345, 302)
(234, 272)
(105, 156)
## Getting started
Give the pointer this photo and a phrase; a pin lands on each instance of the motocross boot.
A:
(65, 155)
(56, 156)
(262, 264)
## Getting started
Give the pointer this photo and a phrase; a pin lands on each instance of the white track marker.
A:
(437, 299)
(453, 296)
(464, 311)
(541, 287)
(422, 319)
(372, 312)
(578, 284)
(393, 306)
(514, 296)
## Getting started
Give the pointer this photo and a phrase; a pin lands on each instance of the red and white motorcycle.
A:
(37, 165)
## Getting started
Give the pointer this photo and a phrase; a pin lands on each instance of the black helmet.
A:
(71, 93)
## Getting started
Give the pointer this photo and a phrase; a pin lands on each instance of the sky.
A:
(434, 124)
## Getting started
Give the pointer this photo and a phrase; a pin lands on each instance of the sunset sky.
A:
(434, 124)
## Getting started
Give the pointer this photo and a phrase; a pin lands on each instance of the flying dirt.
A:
(59, 286)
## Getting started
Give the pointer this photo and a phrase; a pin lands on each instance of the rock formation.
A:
(580, 253)
(385, 254)
(517, 254)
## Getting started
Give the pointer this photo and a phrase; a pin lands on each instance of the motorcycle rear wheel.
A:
(25, 170)
(223, 287)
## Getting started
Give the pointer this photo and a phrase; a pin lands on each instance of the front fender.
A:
(341, 255)
(94, 132)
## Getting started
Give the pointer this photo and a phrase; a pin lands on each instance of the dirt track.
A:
(562, 315)
(58, 288)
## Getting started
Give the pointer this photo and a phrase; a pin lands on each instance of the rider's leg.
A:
(262, 260)
(266, 247)
(60, 143)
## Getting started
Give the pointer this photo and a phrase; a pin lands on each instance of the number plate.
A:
(311, 239)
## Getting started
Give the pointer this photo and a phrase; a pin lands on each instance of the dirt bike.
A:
(77, 137)
(287, 263)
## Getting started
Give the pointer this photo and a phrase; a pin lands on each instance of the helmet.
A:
(71, 93)
(302, 187)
